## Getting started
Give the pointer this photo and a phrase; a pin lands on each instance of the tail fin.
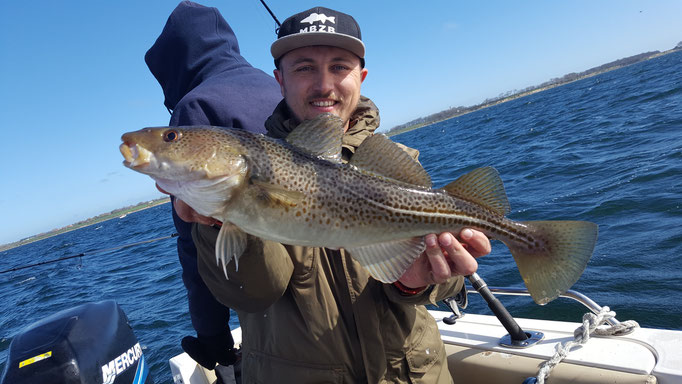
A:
(566, 248)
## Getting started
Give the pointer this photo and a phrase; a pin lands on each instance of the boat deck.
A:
(650, 356)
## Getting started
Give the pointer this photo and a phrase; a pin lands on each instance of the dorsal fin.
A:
(481, 186)
(379, 156)
(320, 137)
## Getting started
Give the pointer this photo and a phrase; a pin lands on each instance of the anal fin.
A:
(387, 262)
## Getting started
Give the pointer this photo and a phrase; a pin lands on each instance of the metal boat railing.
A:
(570, 294)
(517, 337)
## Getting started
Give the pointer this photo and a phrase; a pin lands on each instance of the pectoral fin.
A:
(387, 262)
(274, 194)
(231, 243)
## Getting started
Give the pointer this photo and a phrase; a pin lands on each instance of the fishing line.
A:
(87, 253)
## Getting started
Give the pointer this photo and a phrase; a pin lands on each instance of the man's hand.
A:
(445, 257)
(187, 213)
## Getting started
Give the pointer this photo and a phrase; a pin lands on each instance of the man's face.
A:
(319, 79)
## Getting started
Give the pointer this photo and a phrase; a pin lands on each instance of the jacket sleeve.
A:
(209, 316)
(192, 112)
(265, 269)
(431, 295)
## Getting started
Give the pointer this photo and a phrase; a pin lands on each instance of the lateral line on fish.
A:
(466, 221)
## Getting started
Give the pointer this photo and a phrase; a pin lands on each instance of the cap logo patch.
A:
(319, 17)
(318, 26)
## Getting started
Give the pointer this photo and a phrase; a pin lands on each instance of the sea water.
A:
(607, 149)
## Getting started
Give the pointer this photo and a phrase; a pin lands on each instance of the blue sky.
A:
(73, 77)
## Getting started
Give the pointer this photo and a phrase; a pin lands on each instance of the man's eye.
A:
(339, 67)
(306, 68)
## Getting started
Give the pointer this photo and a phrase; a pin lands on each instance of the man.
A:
(312, 315)
(206, 81)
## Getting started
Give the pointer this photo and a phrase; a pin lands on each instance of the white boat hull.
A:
(474, 355)
(650, 356)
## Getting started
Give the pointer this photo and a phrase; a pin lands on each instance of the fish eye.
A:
(171, 135)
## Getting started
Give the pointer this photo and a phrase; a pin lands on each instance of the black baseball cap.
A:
(319, 26)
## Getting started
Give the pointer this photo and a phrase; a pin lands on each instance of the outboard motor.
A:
(90, 343)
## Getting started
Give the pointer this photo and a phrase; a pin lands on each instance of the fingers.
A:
(445, 257)
(463, 263)
(440, 269)
(448, 257)
(459, 260)
(476, 242)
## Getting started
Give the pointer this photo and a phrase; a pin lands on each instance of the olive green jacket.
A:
(314, 315)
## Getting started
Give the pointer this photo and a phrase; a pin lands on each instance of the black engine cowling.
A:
(90, 343)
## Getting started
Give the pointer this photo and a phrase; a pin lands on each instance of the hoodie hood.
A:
(195, 43)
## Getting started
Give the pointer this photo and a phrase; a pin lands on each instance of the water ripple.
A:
(606, 149)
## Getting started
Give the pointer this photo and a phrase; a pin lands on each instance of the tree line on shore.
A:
(84, 223)
(506, 96)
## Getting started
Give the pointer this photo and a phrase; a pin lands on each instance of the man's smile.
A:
(323, 103)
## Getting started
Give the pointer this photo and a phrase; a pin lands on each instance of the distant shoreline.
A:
(117, 213)
(410, 126)
(566, 79)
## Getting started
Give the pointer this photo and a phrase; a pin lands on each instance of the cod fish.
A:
(378, 206)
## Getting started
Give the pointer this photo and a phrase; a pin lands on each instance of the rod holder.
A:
(517, 337)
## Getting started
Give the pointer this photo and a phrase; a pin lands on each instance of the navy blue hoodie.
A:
(206, 81)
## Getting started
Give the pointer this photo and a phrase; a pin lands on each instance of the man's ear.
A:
(363, 74)
(280, 80)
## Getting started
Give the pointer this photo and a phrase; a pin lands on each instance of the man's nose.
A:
(325, 82)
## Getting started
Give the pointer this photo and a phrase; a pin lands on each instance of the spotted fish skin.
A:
(378, 207)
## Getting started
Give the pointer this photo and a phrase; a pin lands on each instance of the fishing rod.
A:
(87, 253)
(273, 16)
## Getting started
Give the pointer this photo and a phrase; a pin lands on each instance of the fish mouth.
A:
(135, 156)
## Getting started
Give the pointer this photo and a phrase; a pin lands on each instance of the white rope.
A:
(592, 324)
